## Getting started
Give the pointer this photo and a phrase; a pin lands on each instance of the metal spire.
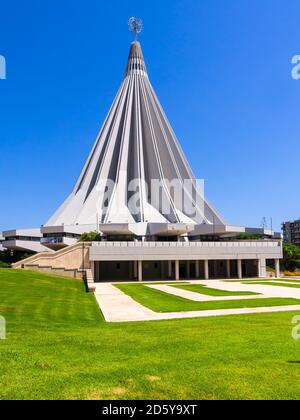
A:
(136, 26)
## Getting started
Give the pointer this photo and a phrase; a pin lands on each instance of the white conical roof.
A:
(136, 142)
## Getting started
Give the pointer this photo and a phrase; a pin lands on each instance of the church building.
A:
(138, 191)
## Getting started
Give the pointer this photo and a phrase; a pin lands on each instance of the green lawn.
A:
(256, 280)
(58, 347)
(164, 302)
(204, 290)
(289, 280)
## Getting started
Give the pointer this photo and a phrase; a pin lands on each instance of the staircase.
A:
(67, 262)
(89, 276)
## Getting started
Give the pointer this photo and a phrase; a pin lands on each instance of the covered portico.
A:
(158, 261)
(174, 270)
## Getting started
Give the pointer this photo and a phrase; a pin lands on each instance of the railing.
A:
(50, 255)
(229, 244)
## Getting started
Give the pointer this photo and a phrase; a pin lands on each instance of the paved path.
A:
(198, 297)
(118, 307)
(279, 281)
(267, 291)
(222, 312)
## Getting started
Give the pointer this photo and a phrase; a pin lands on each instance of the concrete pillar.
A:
(197, 269)
(188, 270)
(97, 271)
(169, 269)
(239, 269)
(93, 270)
(140, 270)
(228, 271)
(277, 268)
(177, 270)
(262, 268)
(206, 270)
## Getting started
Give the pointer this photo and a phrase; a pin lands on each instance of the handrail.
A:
(254, 244)
(49, 255)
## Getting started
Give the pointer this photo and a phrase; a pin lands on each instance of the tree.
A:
(248, 237)
(291, 256)
(90, 237)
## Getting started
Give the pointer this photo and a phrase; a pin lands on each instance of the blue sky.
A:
(222, 70)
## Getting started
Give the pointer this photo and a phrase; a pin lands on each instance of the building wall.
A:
(113, 271)
(291, 232)
(118, 261)
(185, 251)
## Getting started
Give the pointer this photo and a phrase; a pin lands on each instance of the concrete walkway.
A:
(198, 297)
(279, 281)
(267, 291)
(116, 306)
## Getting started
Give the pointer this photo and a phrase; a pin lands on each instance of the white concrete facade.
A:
(23, 240)
(56, 237)
(136, 143)
(186, 251)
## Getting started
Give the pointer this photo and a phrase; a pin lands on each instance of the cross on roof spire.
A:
(135, 26)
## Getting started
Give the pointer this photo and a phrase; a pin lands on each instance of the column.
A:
(98, 271)
(197, 269)
(277, 268)
(239, 269)
(169, 269)
(95, 271)
(206, 270)
(140, 270)
(228, 269)
(177, 271)
(188, 270)
(262, 268)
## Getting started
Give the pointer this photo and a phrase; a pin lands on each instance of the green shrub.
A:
(4, 264)
(90, 237)
(10, 257)
(248, 237)
(291, 257)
